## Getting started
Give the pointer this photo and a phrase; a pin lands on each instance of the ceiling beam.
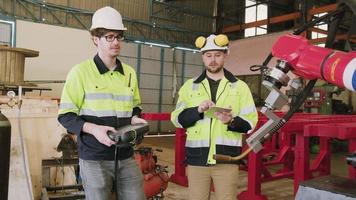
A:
(278, 19)
(273, 20)
(323, 9)
(351, 38)
(318, 30)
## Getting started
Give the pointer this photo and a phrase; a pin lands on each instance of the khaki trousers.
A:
(224, 177)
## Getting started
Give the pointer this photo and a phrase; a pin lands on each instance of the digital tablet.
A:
(212, 110)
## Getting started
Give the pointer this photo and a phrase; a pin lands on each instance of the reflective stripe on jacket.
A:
(87, 92)
(92, 93)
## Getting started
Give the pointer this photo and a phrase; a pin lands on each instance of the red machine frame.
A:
(290, 148)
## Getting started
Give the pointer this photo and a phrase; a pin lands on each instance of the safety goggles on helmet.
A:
(213, 42)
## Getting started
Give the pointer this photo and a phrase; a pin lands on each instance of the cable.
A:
(117, 152)
(26, 169)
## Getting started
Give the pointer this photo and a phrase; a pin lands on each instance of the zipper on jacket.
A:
(211, 120)
(211, 123)
(222, 92)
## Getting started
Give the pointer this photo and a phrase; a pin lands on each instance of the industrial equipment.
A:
(296, 55)
(321, 99)
(68, 147)
(70, 160)
(155, 176)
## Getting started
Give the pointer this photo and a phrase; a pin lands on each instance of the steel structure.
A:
(154, 29)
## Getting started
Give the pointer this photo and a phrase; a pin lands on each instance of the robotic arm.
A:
(312, 62)
(295, 54)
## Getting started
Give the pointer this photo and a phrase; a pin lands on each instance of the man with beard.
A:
(100, 95)
(220, 133)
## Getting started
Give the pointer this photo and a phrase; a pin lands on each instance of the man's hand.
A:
(137, 120)
(99, 132)
(224, 117)
(205, 105)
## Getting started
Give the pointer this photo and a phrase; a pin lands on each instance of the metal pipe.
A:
(158, 135)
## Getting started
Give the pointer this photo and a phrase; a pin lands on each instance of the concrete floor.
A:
(275, 190)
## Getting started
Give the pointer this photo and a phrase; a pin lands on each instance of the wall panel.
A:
(150, 66)
(243, 54)
(192, 70)
(134, 9)
(168, 68)
(59, 2)
(149, 81)
(88, 4)
(151, 52)
(150, 96)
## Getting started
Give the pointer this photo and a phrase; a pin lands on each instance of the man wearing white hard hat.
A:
(100, 95)
(216, 109)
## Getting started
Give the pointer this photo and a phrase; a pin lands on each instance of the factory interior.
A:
(297, 59)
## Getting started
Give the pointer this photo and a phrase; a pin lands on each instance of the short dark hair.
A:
(100, 32)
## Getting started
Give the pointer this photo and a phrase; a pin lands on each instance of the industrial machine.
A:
(320, 100)
(295, 54)
(155, 176)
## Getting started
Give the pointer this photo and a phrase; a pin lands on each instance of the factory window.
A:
(320, 31)
(7, 32)
(255, 11)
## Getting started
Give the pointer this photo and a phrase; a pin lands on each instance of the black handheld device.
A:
(130, 134)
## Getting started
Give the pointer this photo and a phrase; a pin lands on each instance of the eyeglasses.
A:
(111, 38)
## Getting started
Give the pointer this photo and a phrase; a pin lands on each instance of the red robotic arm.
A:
(313, 62)
(295, 54)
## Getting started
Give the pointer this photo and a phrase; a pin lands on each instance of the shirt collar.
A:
(228, 75)
(103, 69)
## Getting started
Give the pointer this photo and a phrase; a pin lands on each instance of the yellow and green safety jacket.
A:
(93, 93)
(209, 136)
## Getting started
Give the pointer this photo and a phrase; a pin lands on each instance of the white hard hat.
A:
(108, 18)
(213, 42)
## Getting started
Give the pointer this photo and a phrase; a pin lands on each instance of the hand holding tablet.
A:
(211, 111)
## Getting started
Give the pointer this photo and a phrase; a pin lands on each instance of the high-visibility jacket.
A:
(209, 136)
(100, 96)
